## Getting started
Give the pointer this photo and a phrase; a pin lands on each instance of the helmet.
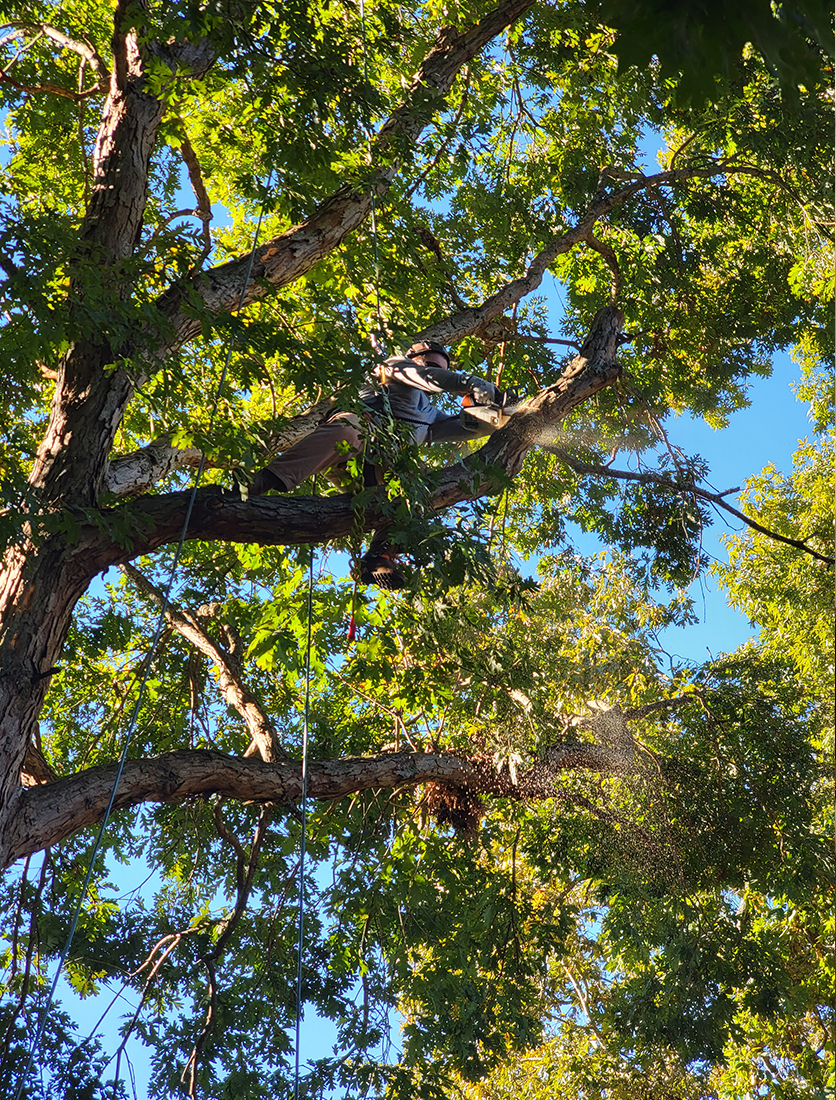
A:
(424, 347)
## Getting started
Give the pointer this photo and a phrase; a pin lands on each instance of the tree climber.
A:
(398, 388)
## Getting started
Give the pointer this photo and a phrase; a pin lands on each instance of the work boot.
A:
(380, 568)
(263, 481)
(372, 475)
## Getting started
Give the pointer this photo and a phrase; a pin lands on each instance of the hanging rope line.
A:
(372, 194)
(303, 842)
(146, 672)
(374, 339)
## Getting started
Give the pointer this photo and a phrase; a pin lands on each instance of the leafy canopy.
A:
(661, 918)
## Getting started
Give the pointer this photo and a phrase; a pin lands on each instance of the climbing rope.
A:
(372, 195)
(304, 815)
(146, 671)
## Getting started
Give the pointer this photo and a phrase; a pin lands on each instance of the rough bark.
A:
(87, 404)
(40, 584)
(48, 814)
(38, 592)
(137, 472)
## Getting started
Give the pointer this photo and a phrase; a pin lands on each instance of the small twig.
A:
(649, 477)
(175, 938)
(245, 871)
(683, 146)
(648, 708)
(585, 1008)
(429, 239)
(81, 144)
(540, 339)
(246, 867)
(17, 916)
(521, 100)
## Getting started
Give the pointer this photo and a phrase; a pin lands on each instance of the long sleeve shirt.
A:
(406, 391)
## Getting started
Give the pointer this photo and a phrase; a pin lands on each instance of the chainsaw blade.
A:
(492, 415)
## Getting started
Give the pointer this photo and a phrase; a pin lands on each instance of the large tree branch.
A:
(135, 473)
(680, 488)
(289, 256)
(131, 474)
(50, 813)
(232, 687)
(108, 537)
(150, 522)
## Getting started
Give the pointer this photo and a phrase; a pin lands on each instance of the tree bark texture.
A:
(47, 814)
(88, 403)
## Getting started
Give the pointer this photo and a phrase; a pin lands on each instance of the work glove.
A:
(483, 392)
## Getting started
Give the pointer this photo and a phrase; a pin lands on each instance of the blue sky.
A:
(766, 432)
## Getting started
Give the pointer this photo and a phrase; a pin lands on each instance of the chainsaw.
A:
(477, 417)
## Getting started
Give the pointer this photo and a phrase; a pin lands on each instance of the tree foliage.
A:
(541, 854)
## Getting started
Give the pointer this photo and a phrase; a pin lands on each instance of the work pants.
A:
(331, 444)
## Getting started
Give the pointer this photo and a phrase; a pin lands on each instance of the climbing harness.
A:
(146, 672)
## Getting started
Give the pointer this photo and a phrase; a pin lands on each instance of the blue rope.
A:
(302, 846)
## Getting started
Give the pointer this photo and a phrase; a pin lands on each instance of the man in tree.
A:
(643, 867)
(397, 390)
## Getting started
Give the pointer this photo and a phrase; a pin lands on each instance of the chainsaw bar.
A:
(492, 415)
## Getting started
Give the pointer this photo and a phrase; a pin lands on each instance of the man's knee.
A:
(345, 428)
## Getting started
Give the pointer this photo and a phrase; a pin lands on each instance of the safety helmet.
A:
(424, 347)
